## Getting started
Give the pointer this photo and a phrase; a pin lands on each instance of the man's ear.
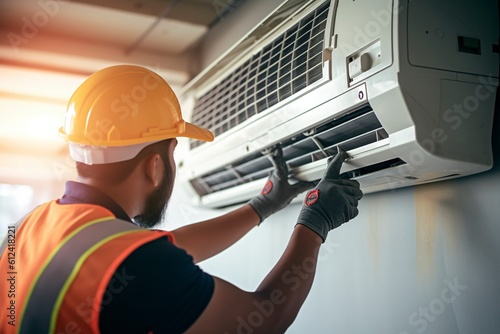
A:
(153, 169)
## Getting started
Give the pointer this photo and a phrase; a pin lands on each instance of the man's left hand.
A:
(277, 192)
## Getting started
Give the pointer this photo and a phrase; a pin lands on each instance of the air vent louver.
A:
(352, 131)
(285, 66)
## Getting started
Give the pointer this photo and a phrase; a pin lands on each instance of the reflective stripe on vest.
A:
(56, 275)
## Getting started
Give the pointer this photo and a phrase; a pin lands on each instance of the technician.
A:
(91, 262)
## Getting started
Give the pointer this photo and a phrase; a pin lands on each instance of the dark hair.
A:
(114, 173)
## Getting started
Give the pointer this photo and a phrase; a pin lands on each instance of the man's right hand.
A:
(332, 202)
(274, 301)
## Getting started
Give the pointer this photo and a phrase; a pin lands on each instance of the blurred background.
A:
(48, 47)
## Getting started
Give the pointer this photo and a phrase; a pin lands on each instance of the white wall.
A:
(416, 260)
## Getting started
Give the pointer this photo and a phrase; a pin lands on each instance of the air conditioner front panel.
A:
(354, 89)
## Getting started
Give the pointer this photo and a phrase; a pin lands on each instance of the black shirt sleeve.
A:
(165, 292)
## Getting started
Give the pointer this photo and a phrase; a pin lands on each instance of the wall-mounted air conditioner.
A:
(407, 88)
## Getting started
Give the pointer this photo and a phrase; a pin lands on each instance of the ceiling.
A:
(48, 47)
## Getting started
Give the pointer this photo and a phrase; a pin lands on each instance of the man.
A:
(82, 264)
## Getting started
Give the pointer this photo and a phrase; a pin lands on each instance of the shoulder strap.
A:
(16, 226)
(48, 289)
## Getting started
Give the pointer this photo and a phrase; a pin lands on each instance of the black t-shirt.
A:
(157, 288)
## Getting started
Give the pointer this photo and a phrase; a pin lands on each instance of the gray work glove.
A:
(332, 202)
(277, 192)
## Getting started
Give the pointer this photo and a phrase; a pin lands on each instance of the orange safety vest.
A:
(56, 265)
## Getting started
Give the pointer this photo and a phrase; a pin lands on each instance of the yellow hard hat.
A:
(119, 110)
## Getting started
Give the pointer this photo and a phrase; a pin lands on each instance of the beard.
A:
(157, 201)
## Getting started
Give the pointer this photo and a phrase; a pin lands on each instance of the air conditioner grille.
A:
(352, 131)
(282, 68)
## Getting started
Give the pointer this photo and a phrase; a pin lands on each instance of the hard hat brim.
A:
(195, 132)
(90, 155)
